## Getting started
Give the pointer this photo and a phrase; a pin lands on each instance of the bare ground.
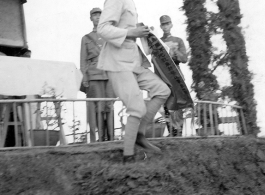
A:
(209, 166)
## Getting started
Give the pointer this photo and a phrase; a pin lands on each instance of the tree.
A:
(204, 81)
(201, 26)
(243, 89)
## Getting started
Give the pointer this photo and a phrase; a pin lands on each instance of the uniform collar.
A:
(95, 29)
(166, 35)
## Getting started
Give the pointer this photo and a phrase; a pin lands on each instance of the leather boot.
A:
(128, 159)
(145, 144)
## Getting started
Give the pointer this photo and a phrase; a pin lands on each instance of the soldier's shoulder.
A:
(88, 36)
(177, 39)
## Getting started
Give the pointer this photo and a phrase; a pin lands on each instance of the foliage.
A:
(75, 127)
(243, 89)
(51, 112)
(51, 115)
(201, 26)
(201, 48)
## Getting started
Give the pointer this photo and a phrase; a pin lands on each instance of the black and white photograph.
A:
(132, 97)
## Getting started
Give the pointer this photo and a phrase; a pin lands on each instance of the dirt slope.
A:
(209, 166)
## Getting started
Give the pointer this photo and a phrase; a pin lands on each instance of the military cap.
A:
(94, 10)
(165, 19)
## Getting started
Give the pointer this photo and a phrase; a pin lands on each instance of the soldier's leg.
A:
(101, 125)
(176, 120)
(103, 108)
(109, 110)
(91, 113)
(96, 89)
(180, 121)
(158, 91)
(110, 125)
(126, 88)
(100, 120)
(104, 130)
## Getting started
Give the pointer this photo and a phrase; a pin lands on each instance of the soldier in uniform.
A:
(127, 68)
(96, 81)
(178, 53)
(176, 45)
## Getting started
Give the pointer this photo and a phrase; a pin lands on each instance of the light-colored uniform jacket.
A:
(119, 53)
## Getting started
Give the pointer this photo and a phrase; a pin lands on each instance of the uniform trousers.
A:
(98, 111)
(100, 89)
(127, 85)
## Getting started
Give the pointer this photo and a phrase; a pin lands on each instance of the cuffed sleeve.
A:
(182, 57)
(83, 61)
(109, 18)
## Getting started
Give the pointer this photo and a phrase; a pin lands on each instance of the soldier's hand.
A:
(179, 55)
(141, 31)
(86, 83)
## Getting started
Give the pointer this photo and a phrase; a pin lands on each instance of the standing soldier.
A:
(96, 81)
(178, 53)
(176, 45)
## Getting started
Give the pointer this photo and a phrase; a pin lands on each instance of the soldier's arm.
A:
(110, 16)
(83, 59)
(181, 52)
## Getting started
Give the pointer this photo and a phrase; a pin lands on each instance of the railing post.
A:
(15, 124)
(199, 117)
(27, 124)
(47, 129)
(87, 125)
(238, 122)
(99, 117)
(31, 125)
(216, 126)
(244, 122)
(23, 125)
(222, 118)
(6, 112)
(211, 119)
(58, 113)
(185, 125)
(111, 118)
(205, 119)
(227, 121)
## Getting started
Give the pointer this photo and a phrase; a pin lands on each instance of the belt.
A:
(131, 39)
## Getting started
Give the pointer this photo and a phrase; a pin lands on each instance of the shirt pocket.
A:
(92, 50)
(132, 12)
(127, 52)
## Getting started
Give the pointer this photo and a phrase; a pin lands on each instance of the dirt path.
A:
(188, 166)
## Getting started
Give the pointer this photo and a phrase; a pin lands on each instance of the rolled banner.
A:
(144, 43)
(146, 48)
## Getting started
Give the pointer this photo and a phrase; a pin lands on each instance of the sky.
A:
(55, 29)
